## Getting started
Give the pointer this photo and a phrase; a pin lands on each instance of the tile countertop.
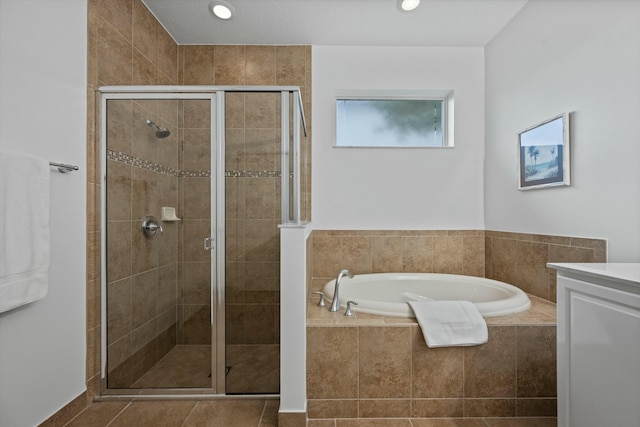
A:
(625, 276)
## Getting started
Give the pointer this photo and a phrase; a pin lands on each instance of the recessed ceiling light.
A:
(222, 9)
(407, 5)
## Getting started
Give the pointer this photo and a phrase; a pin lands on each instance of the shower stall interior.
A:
(196, 181)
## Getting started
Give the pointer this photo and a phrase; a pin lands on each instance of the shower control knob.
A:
(150, 227)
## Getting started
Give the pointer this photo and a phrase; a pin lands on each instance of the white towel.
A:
(450, 323)
(24, 229)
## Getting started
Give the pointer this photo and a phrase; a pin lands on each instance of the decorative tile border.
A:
(194, 174)
(252, 174)
(128, 159)
(155, 167)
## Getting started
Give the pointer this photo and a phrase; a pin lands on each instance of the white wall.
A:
(293, 318)
(43, 112)
(364, 188)
(584, 57)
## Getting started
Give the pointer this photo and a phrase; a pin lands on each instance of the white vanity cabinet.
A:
(598, 345)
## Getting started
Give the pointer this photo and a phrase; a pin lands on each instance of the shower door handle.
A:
(209, 243)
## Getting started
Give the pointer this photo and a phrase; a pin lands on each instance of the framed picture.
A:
(543, 154)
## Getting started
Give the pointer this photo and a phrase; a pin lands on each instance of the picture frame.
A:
(544, 154)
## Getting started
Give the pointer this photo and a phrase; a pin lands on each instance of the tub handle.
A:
(321, 302)
(348, 311)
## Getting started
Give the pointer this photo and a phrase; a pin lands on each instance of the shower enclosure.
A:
(196, 181)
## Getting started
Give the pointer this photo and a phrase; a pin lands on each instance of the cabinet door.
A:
(598, 355)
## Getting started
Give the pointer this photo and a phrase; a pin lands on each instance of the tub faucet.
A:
(335, 304)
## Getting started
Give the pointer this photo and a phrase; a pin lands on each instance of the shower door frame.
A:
(217, 204)
(216, 95)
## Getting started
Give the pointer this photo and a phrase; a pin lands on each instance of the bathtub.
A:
(388, 293)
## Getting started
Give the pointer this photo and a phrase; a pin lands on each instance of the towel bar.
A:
(63, 168)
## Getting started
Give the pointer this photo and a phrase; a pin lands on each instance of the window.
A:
(393, 121)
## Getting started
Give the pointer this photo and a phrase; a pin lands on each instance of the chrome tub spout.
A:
(335, 304)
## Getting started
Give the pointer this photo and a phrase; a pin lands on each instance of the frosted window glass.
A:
(389, 123)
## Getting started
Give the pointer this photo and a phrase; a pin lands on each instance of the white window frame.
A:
(447, 96)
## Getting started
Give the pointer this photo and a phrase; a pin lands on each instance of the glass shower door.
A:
(157, 274)
(252, 298)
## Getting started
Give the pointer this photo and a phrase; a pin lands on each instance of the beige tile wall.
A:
(371, 251)
(516, 258)
(521, 259)
(126, 46)
(252, 119)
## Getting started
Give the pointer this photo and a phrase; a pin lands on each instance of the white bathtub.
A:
(387, 293)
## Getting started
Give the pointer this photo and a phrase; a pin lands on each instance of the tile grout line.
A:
(119, 413)
(357, 397)
(190, 412)
(76, 416)
(464, 376)
(264, 409)
(515, 373)
(411, 373)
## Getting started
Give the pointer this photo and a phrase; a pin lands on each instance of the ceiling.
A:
(444, 23)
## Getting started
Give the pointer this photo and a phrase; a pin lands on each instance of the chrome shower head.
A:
(160, 132)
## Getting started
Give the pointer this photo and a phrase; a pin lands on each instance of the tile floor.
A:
(254, 413)
(252, 369)
(180, 413)
(184, 366)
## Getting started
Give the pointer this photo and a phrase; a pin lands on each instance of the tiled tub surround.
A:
(516, 258)
(369, 366)
(521, 259)
(374, 251)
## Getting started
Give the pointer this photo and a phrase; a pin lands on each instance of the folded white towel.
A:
(450, 323)
(24, 229)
